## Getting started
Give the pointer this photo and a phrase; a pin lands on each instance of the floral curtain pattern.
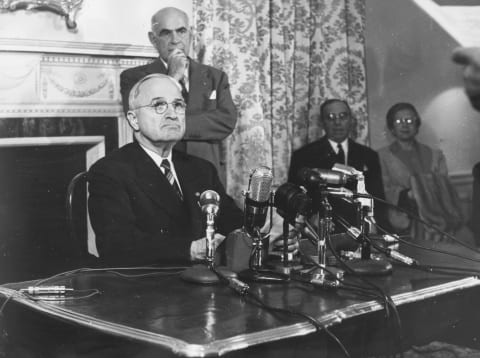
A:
(283, 59)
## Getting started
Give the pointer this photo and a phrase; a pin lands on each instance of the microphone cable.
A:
(312, 320)
(409, 243)
(114, 270)
(416, 217)
(344, 284)
(388, 303)
(244, 291)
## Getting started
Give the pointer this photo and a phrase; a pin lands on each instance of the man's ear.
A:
(133, 120)
(151, 37)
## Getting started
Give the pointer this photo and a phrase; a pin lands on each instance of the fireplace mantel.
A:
(44, 90)
(41, 84)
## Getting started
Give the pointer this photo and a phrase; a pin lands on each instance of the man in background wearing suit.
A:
(143, 197)
(336, 147)
(211, 114)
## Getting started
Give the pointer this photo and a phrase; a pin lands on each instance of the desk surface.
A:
(198, 320)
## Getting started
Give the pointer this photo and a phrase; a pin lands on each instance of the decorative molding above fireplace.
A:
(75, 47)
(66, 85)
(34, 84)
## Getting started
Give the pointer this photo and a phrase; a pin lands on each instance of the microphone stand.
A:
(366, 265)
(207, 273)
(286, 262)
(324, 225)
(256, 271)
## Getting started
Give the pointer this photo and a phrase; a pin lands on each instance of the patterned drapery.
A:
(283, 59)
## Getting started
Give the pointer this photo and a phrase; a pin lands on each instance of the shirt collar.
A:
(334, 145)
(157, 158)
(186, 70)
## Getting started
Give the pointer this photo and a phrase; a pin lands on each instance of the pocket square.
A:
(213, 95)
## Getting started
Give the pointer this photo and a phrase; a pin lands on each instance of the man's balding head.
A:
(170, 31)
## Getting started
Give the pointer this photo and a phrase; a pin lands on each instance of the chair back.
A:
(77, 186)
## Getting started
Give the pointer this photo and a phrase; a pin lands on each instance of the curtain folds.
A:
(283, 59)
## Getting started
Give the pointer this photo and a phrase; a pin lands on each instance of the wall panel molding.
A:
(75, 47)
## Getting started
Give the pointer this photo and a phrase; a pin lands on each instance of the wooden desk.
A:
(161, 315)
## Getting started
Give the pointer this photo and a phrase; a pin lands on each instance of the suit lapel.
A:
(327, 156)
(199, 85)
(188, 181)
(354, 156)
(157, 66)
(150, 178)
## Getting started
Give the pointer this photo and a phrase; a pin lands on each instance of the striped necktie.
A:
(165, 165)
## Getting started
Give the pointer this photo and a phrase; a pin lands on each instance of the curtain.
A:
(283, 59)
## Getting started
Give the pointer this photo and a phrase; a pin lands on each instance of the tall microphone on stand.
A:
(205, 273)
(258, 199)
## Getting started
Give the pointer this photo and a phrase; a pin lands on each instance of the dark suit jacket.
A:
(320, 154)
(208, 120)
(138, 218)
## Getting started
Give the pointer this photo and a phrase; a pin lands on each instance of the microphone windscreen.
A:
(209, 202)
(261, 184)
(290, 201)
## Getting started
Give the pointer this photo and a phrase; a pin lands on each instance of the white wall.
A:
(103, 26)
(408, 59)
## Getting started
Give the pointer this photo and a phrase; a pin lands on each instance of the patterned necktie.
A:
(171, 179)
(340, 154)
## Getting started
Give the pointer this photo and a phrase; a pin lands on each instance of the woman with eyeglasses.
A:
(415, 178)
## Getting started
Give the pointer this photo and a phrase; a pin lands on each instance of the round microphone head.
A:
(290, 200)
(210, 202)
(309, 178)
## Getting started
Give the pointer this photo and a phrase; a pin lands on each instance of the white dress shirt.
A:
(158, 161)
(344, 145)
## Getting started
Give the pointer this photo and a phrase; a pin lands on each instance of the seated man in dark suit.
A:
(143, 197)
(211, 114)
(336, 147)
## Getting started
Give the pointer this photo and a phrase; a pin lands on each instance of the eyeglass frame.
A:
(159, 102)
(343, 116)
(407, 120)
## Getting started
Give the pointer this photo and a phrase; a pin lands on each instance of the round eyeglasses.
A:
(343, 116)
(406, 120)
(161, 107)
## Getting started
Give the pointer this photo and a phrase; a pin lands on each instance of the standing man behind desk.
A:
(336, 147)
(211, 114)
(143, 201)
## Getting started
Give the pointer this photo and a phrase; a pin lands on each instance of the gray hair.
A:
(135, 91)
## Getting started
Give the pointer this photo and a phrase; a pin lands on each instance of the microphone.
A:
(355, 233)
(314, 177)
(401, 257)
(332, 176)
(209, 202)
(257, 199)
(294, 205)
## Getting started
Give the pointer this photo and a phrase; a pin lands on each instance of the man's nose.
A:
(170, 113)
(175, 37)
